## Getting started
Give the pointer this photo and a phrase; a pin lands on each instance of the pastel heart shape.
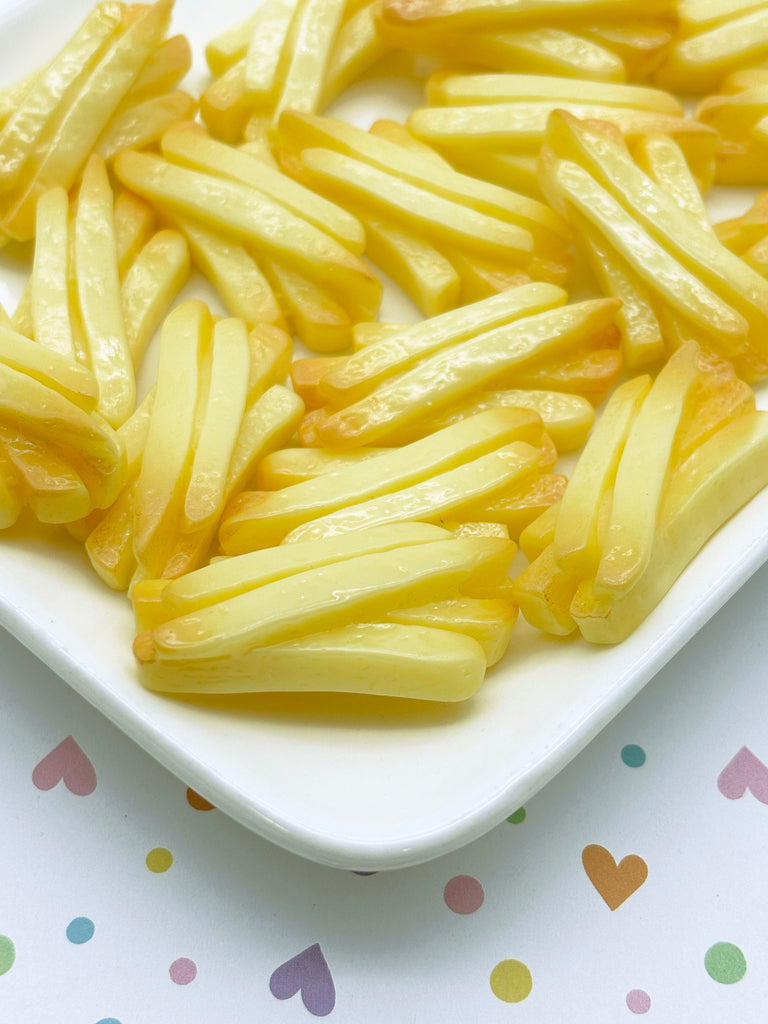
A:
(744, 772)
(68, 764)
(615, 882)
(308, 973)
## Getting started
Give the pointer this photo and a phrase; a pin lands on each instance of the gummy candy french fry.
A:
(259, 520)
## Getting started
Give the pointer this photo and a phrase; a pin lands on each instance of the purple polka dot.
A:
(638, 1001)
(182, 971)
(463, 894)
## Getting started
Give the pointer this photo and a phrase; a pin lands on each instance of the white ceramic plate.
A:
(351, 783)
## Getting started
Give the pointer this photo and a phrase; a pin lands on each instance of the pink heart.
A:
(308, 973)
(66, 763)
(744, 772)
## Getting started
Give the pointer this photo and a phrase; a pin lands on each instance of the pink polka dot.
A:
(182, 971)
(638, 1001)
(463, 894)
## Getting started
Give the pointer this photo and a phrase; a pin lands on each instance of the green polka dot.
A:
(7, 954)
(511, 981)
(632, 755)
(725, 963)
(159, 860)
(518, 817)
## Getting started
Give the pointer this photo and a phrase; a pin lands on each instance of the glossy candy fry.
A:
(544, 592)
(455, 373)
(479, 279)
(306, 53)
(519, 128)
(227, 577)
(640, 44)
(84, 119)
(47, 96)
(254, 218)
(154, 279)
(99, 295)
(258, 520)
(518, 507)
(718, 479)
(313, 314)
(142, 125)
(290, 466)
(420, 269)
(53, 490)
(271, 352)
(509, 13)
(59, 372)
(188, 146)
(224, 106)
(696, 17)
(576, 544)
(642, 341)
(591, 375)
(134, 222)
(165, 67)
(661, 157)
(357, 47)
(354, 377)
(263, 54)
(268, 422)
(49, 282)
(541, 50)
(155, 601)
(540, 533)
(388, 659)
(463, 89)
(627, 546)
(231, 45)
(742, 232)
(515, 171)
(489, 621)
(396, 132)
(695, 247)
(346, 592)
(567, 418)
(49, 417)
(218, 432)
(233, 273)
(722, 398)
(11, 497)
(109, 545)
(366, 189)
(12, 95)
(298, 132)
(168, 453)
(652, 261)
(697, 64)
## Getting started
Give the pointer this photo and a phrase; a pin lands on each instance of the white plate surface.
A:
(352, 783)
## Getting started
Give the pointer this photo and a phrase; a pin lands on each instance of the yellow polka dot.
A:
(511, 981)
(159, 859)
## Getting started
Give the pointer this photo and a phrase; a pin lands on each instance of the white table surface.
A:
(429, 944)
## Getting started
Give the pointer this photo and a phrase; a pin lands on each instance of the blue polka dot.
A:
(632, 755)
(108, 1020)
(80, 930)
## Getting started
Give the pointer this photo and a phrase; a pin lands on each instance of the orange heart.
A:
(615, 882)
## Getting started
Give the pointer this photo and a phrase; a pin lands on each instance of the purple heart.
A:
(66, 763)
(308, 973)
(743, 772)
